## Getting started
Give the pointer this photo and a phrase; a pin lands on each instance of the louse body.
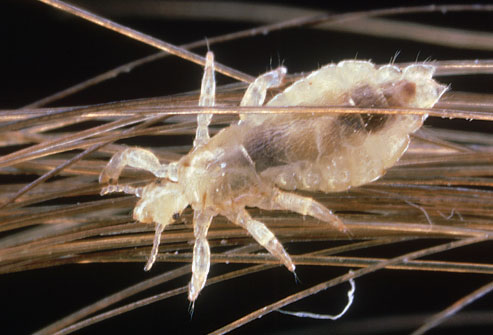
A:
(255, 162)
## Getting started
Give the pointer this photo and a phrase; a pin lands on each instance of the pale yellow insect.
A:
(248, 163)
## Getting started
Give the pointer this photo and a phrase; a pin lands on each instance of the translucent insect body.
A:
(255, 162)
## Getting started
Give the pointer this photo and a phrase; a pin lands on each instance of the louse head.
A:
(161, 201)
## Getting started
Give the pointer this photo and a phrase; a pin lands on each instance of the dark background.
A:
(44, 51)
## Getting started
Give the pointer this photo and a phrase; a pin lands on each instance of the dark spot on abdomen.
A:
(399, 94)
(392, 94)
(365, 96)
(363, 122)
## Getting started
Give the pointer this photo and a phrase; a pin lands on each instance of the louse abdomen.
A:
(325, 154)
(334, 152)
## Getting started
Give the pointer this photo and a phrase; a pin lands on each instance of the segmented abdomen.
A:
(336, 151)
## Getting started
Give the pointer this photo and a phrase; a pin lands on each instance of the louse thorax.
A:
(219, 175)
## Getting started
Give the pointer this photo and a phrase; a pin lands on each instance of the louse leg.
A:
(255, 94)
(201, 253)
(207, 99)
(263, 236)
(304, 206)
(135, 157)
